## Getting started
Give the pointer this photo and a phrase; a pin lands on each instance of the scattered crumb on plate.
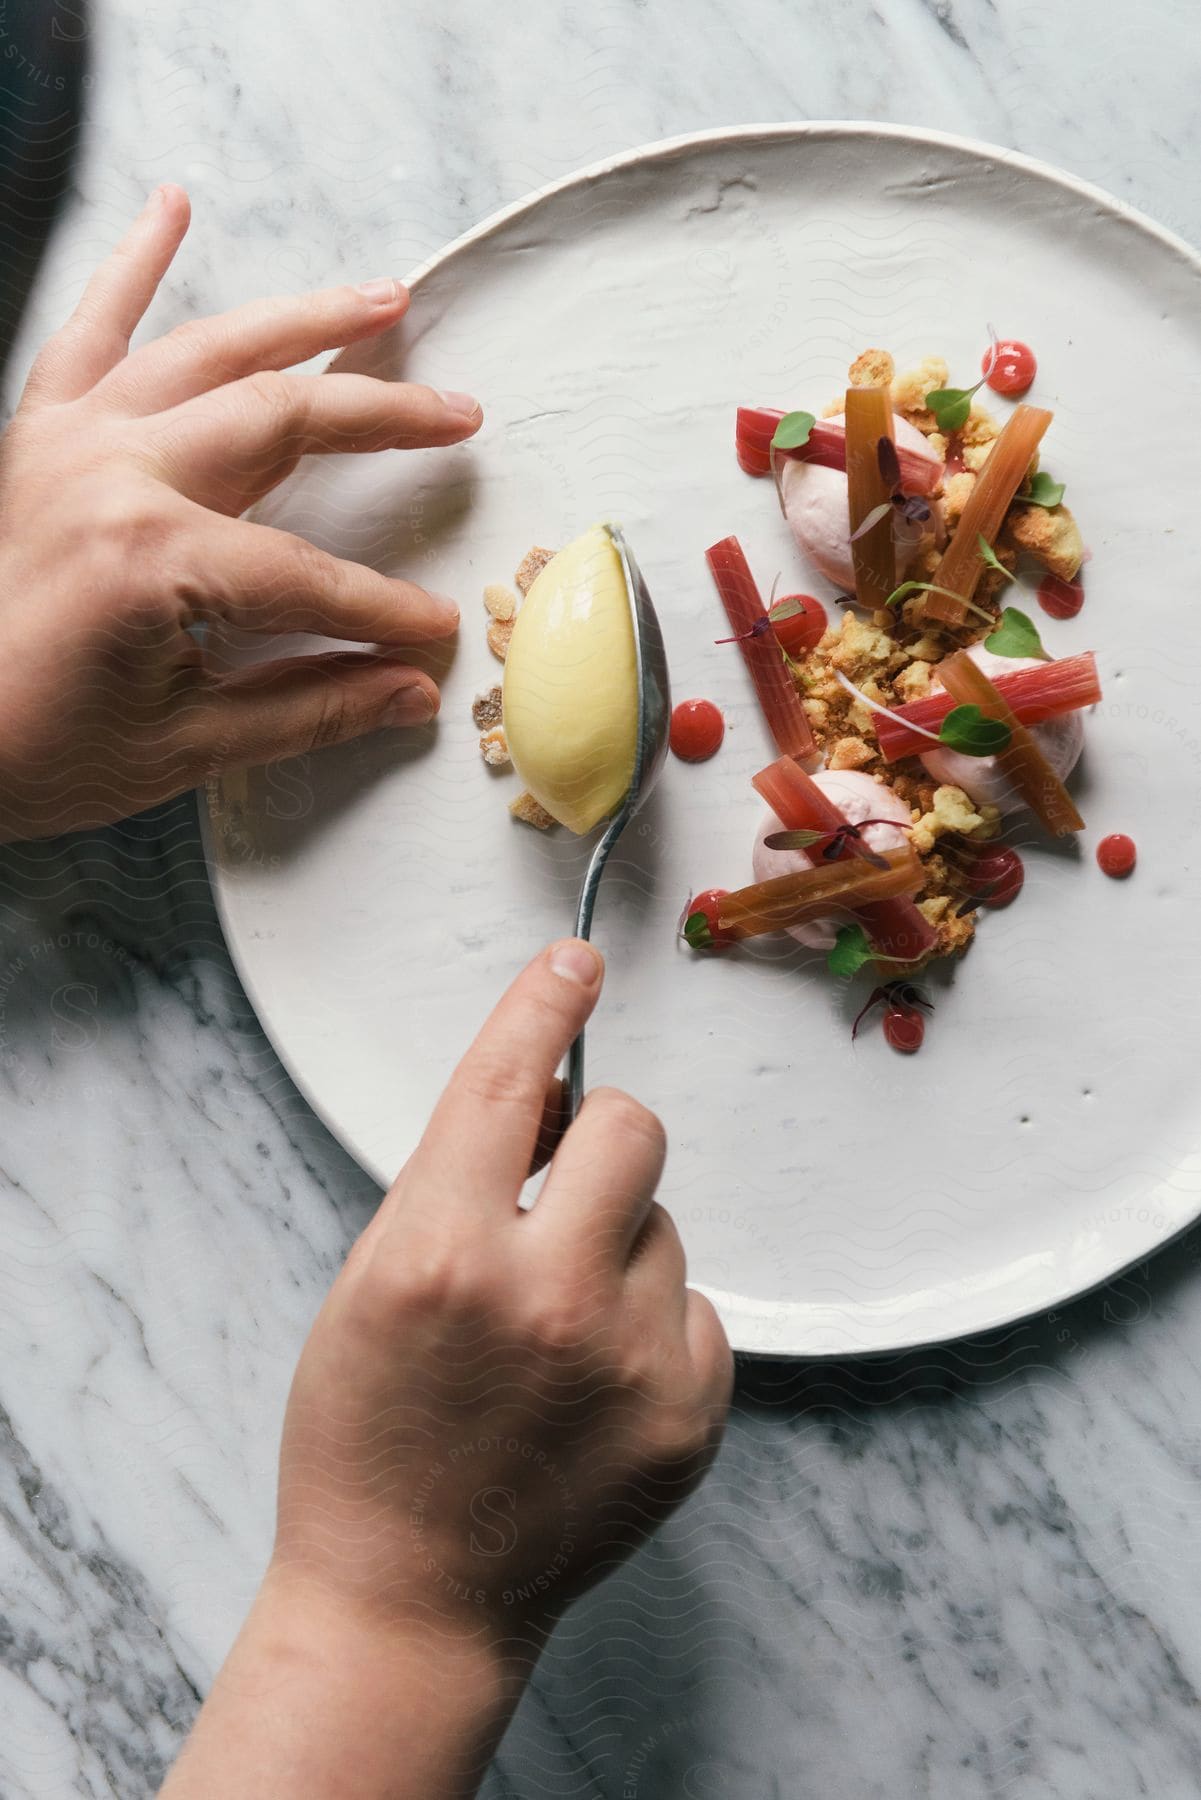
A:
(494, 747)
(532, 565)
(527, 809)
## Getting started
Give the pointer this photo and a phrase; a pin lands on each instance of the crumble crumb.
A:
(1050, 534)
(950, 811)
(872, 368)
(500, 601)
(485, 708)
(528, 810)
(910, 389)
(531, 566)
(499, 633)
(494, 747)
(849, 753)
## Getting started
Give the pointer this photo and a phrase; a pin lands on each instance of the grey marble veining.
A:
(954, 1575)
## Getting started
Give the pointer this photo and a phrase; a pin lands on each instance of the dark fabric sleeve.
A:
(43, 70)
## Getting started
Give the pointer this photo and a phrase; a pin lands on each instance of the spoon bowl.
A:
(654, 723)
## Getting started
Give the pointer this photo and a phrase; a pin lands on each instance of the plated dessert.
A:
(915, 726)
(912, 725)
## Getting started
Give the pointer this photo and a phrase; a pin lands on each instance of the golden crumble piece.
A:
(910, 389)
(485, 709)
(955, 930)
(956, 489)
(849, 753)
(981, 427)
(531, 566)
(873, 368)
(499, 633)
(927, 649)
(859, 646)
(835, 409)
(494, 747)
(500, 601)
(913, 682)
(528, 810)
(1049, 533)
(951, 810)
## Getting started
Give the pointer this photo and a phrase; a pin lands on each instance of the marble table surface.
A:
(958, 1574)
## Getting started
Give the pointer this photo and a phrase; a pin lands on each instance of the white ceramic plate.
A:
(834, 1199)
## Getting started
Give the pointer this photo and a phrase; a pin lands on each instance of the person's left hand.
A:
(121, 478)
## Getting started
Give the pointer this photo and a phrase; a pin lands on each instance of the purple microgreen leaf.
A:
(877, 995)
(915, 508)
(793, 840)
(904, 993)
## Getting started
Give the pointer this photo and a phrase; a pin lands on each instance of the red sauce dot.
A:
(1014, 368)
(697, 729)
(996, 877)
(800, 631)
(1061, 599)
(904, 1028)
(1116, 854)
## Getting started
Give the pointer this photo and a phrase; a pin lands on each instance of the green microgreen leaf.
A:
(697, 932)
(951, 406)
(990, 556)
(1016, 635)
(793, 431)
(1041, 490)
(966, 729)
(851, 950)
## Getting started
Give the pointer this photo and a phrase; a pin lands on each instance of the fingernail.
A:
(382, 292)
(449, 609)
(409, 706)
(465, 405)
(577, 961)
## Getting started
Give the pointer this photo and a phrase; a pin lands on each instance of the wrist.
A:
(317, 1698)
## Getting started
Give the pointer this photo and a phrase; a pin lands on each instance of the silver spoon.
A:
(654, 721)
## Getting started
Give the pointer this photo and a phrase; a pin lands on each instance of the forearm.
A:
(312, 1702)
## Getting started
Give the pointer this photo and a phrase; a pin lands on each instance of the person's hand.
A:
(493, 1407)
(122, 477)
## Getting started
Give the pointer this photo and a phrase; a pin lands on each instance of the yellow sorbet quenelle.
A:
(571, 684)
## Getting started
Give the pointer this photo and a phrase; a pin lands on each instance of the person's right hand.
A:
(493, 1408)
(122, 477)
(498, 1404)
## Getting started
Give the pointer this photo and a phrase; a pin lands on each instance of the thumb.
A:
(304, 703)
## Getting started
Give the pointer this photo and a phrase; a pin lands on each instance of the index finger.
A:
(96, 336)
(477, 1148)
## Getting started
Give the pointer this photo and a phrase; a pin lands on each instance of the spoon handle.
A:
(583, 929)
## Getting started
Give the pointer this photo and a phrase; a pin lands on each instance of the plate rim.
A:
(753, 1328)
